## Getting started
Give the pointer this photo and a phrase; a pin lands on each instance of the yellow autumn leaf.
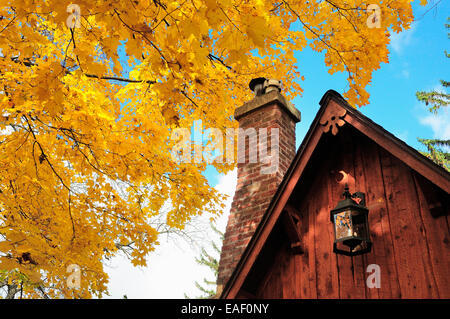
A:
(7, 263)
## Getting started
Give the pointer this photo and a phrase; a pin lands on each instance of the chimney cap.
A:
(255, 82)
(272, 85)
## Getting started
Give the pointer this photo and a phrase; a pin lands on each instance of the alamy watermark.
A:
(374, 279)
(74, 279)
(374, 20)
(73, 20)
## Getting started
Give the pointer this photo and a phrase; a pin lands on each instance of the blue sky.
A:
(417, 62)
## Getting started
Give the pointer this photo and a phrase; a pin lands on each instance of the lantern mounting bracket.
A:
(359, 196)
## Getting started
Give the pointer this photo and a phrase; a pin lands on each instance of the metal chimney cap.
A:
(255, 82)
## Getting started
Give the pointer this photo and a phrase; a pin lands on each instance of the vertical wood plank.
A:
(332, 200)
(264, 290)
(304, 273)
(285, 262)
(359, 264)
(312, 274)
(327, 277)
(297, 259)
(382, 250)
(437, 240)
(407, 239)
(276, 281)
(296, 265)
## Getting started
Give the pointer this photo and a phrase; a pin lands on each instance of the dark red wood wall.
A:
(411, 246)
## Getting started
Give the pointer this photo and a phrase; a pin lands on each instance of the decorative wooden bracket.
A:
(290, 221)
(438, 202)
(333, 118)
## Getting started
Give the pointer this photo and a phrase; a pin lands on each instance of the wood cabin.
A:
(279, 237)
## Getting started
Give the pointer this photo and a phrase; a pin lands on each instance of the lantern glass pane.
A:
(343, 225)
(359, 225)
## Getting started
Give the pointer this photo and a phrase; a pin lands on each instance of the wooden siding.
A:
(409, 244)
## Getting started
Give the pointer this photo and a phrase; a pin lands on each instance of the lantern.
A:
(351, 226)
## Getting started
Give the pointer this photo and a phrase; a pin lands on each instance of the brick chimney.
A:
(272, 119)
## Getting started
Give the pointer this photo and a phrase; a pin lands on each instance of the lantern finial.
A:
(346, 194)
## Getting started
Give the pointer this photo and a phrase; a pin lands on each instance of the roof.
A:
(333, 113)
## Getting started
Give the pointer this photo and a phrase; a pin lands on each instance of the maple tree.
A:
(91, 93)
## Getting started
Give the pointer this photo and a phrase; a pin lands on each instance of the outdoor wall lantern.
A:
(351, 226)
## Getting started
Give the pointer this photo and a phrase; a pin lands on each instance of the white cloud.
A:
(401, 40)
(402, 135)
(439, 123)
(227, 186)
(405, 74)
(172, 270)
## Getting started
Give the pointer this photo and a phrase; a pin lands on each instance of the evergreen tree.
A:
(437, 148)
(208, 287)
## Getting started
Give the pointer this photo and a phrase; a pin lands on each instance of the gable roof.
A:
(333, 113)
